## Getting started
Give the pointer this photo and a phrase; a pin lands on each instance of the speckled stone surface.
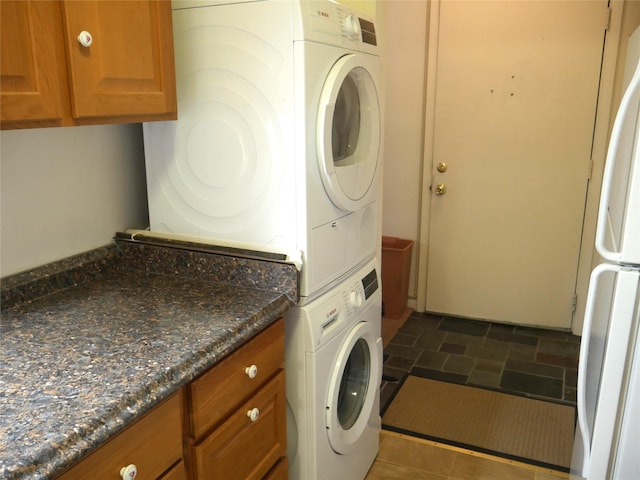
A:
(91, 343)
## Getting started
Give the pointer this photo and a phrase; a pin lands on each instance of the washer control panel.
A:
(370, 283)
(359, 291)
(330, 314)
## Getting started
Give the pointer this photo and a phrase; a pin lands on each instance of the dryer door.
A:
(353, 387)
(348, 130)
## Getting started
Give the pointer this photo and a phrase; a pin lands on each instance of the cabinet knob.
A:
(251, 371)
(253, 414)
(129, 472)
(85, 39)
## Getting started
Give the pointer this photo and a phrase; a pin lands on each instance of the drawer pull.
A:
(129, 472)
(85, 39)
(251, 371)
(253, 414)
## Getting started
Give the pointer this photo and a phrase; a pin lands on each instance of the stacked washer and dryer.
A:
(276, 150)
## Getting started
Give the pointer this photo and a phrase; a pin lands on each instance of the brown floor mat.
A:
(521, 428)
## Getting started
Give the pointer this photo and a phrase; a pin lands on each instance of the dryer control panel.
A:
(357, 28)
(332, 23)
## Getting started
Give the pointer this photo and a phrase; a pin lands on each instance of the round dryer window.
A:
(348, 131)
(352, 388)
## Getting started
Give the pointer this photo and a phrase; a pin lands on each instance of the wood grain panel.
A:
(31, 70)
(220, 391)
(129, 68)
(153, 444)
(243, 449)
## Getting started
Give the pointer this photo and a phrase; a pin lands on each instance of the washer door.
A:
(353, 388)
(348, 130)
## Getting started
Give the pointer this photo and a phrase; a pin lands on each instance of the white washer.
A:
(334, 370)
(277, 143)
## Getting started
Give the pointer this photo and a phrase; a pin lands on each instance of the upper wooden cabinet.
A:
(31, 65)
(129, 68)
(49, 77)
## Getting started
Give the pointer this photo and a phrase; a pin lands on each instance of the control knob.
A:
(355, 298)
(352, 26)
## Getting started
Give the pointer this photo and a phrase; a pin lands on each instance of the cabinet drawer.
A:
(220, 391)
(153, 444)
(178, 472)
(242, 449)
(280, 471)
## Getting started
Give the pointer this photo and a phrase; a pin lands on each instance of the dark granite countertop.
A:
(90, 344)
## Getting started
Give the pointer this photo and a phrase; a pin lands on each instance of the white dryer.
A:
(277, 143)
(334, 370)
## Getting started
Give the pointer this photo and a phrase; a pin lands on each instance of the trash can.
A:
(396, 264)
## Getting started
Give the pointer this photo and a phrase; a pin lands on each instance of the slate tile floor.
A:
(532, 362)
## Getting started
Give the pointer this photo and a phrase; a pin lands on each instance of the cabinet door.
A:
(244, 449)
(128, 69)
(31, 67)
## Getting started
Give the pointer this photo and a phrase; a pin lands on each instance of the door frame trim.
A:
(433, 35)
(605, 114)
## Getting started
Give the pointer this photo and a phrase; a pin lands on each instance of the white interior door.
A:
(515, 104)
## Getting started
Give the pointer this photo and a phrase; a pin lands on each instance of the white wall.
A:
(67, 190)
(364, 7)
(406, 23)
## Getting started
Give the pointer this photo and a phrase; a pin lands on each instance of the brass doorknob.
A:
(442, 167)
(441, 189)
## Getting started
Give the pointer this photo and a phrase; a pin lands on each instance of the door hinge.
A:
(574, 302)
(589, 169)
(607, 19)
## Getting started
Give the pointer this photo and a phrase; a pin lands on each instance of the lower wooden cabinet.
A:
(178, 472)
(153, 444)
(217, 393)
(234, 419)
(237, 413)
(242, 447)
(280, 471)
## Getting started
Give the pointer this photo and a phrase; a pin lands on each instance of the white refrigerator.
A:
(607, 441)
